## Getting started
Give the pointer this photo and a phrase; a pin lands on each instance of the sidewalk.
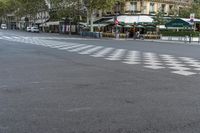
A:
(122, 39)
(175, 42)
(79, 37)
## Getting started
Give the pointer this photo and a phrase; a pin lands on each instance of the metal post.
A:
(70, 24)
(190, 38)
(185, 39)
(116, 14)
(42, 16)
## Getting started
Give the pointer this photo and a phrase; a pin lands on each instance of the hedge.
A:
(180, 33)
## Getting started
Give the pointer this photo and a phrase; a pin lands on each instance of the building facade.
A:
(153, 6)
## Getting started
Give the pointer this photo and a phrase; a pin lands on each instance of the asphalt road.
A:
(46, 88)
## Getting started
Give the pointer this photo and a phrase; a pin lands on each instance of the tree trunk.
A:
(88, 19)
(91, 22)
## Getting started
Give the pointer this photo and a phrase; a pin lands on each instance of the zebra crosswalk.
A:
(184, 66)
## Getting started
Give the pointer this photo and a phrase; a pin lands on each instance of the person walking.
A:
(127, 34)
(138, 34)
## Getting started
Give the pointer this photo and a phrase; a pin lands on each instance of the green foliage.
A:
(179, 33)
(1, 8)
(194, 8)
(100, 4)
(159, 18)
(30, 7)
(185, 13)
(21, 7)
(65, 9)
(6, 6)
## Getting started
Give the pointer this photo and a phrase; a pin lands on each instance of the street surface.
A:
(52, 83)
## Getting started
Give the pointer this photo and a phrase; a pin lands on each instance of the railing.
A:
(186, 39)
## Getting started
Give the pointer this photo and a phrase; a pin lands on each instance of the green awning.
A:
(128, 26)
(139, 26)
(150, 27)
(178, 23)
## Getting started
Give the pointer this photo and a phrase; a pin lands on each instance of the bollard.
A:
(185, 39)
(100, 34)
(190, 38)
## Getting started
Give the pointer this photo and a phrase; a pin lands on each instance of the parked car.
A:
(28, 29)
(35, 29)
(3, 26)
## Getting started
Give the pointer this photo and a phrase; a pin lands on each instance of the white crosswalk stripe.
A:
(90, 51)
(184, 66)
(133, 57)
(81, 48)
(61, 46)
(151, 61)
(177, 66)
(116, 55)
(192, 62)
(72, 47)
(103, 52)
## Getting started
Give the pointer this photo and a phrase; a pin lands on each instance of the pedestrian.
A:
(117, 34)
(138, 34)
(127, 34)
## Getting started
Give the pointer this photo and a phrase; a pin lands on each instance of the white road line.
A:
(151, 61)
(155, 67)
(71, 47)
(103, 52)
(177, 66)
(81, 48)
(90, 51)
(58, 45)
(184, 73)
(192, 62)
(133, 57)
(61, 46)
(6, 37)
(116, 55)
(16, 37)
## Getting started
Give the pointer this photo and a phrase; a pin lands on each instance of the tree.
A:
(194, 8)
(64, 8)
(30, 8)
(94, 5)
(2, 8)
(159, 19)
(6, 7)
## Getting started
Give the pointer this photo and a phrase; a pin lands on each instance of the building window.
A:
(151, 9)
(171, 12)
(171, 7)
(133, 6)
(163, 7)
(141, 3)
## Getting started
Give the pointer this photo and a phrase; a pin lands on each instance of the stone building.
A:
(154, 6)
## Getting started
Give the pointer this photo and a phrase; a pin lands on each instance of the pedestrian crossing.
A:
(184, 66)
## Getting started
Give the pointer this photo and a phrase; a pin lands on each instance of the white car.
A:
(35, 29)
(3, 26)
(28, 29)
